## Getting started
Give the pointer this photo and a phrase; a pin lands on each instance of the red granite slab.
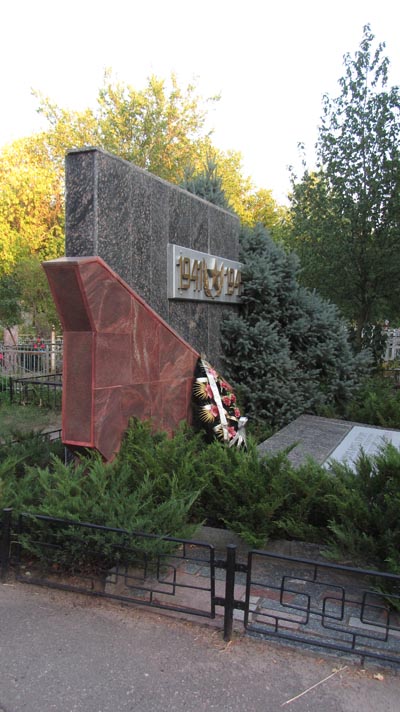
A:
(145, 345)
(113, 359)
(121, 360)
(108, 422)
(173, 358)
(175, 405)
(65, 286)
(142, 395)
(77, 377)
(109, 302)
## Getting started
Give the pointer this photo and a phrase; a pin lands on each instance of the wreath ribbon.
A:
(218, 401)
(240, 437)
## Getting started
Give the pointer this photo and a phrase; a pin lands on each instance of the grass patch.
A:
(17, 419)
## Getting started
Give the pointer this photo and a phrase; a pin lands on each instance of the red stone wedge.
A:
(121, 360)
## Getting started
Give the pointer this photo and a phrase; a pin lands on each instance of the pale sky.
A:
(270, 61)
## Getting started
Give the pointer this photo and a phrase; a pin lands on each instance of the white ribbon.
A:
(240, 437)
(218, 401)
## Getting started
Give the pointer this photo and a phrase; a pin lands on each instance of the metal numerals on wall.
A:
(199, 276)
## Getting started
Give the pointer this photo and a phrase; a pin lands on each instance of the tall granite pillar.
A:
(127, 216)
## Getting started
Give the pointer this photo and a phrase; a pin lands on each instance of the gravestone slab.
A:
(128, 216)
(367, 438)
(325, 439)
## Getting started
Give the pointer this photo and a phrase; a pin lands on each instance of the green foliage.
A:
(376, 403)
(234, 493)
(135, 492)
(31, 230)
(207, 184)
(366, 522)
(167, 486)
(263, 498)
(160, 127)
(17, 422)
(156, 127)
(10, 305)
(261, 207)
(346, 215)
(287, 351)
(166, 460)
(31, 203)
(28, 449)
(25, 296)
(40, 313)
(374, 338)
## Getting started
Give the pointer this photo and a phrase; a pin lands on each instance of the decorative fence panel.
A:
(329, 606)
(30, 372)
(45, 390)
(309, 603)
(135, 567)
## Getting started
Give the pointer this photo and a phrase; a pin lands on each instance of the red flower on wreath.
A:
(209, 391)
(226, 400)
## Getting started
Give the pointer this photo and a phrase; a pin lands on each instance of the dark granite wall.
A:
(127, 216)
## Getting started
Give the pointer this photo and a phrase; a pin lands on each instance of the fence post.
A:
(53, 350)
(5, 541)
(11, 389)
(229, 591)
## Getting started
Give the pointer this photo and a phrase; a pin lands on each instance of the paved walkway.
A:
(61, 652)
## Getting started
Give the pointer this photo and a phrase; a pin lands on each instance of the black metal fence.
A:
(328, 606)
(108, 562)
(45, 390)
(309, 603)
(48, 435)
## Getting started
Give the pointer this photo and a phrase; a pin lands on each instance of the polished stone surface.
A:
(127, 216)
(310, 436)
(121, 359)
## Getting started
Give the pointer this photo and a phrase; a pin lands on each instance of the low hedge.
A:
(169, 486)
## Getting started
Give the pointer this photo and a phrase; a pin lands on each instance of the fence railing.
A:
(49, 435)
(27, 359)
(324, 605)
(134, 567)
(45, 390)
(311, 603)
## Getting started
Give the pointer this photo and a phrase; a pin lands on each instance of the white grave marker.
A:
(368, 439)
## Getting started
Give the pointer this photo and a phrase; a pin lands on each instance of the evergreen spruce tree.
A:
(207, 184)
(287, 351)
